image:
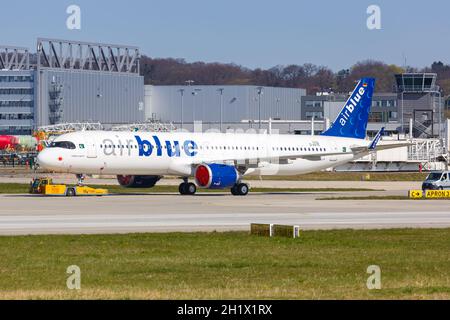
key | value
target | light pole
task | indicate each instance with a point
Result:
(194, 93)
(403, 128)
(182, 105)
(278, 107)
(189, 83)
(221, 107)
(260, 92)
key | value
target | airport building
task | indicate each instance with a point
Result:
(326, 106)
(410, 112)
(69, 81)
(414, 111)
(17, 95)
(415, 108)
(232, 105)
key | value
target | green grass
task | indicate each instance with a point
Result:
(17, 188)
(415, 263)
(13, 188)
(370, 198)
(349, 176)
(315, 176)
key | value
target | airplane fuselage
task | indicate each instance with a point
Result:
(177, 153)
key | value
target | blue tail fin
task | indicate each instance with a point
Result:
(352, 120)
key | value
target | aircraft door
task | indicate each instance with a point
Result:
(91, 149)
(334, 149)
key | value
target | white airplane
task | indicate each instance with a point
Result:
(215, 160)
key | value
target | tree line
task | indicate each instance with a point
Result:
(313, 78)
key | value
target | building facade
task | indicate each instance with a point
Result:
(237, 102)
(16, 102)
(69, 81)
(415, 108)
(72, 96)
(384, 107)
(81, 81)
(17, 94)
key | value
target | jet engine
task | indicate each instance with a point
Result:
(216, 176)
(138, 181)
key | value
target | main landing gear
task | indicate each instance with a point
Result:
(240, 189)
(187, 188)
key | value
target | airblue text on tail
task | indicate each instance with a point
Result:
(352, 120)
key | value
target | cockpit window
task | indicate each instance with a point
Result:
(63, 144)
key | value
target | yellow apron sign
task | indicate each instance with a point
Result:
(415, 194)
(438, 194)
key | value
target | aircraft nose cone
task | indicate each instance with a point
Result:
(43, 159)
(40, 160)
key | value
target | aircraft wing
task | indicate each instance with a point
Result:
(253, 161)
(381, 147)
(374, 146)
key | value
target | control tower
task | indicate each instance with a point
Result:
(421, 105)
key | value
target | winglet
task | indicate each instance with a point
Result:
(375, 140)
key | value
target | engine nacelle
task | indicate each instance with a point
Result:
(138, 181)
(216, 176)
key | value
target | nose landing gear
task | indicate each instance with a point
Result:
(80, 178)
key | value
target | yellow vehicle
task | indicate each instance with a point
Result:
(45, 186)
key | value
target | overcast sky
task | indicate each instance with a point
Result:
(256, 33)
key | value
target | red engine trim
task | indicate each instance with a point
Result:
(203, 176)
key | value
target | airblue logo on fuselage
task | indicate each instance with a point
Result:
(172, 147)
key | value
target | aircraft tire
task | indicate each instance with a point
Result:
(190, 188)
(242, 189)
(182, 188)
(187, 188)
